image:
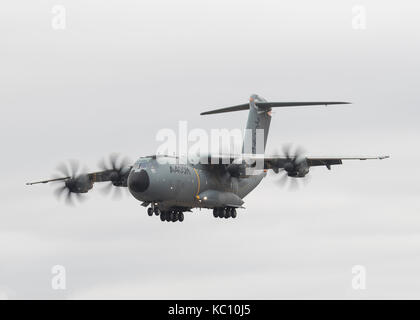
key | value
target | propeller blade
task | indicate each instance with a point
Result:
(66, 189)
(286, 150)
(283, 179)
(62, 168)
(294, 157)
(69, 199)
(80, 197)
(113, 158)
(107, 188)
(74, 167)
(117, 193)
(58, 192)
(119, 166)
(294, 184)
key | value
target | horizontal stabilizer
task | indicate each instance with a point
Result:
(269, 105)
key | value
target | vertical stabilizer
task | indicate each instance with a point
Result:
(257, 127)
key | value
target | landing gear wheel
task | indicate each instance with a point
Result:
(227, 213)
(157, 211)
(181, 217)
(215, 212)
(233, 214)
(162, 216)
(150, 211)
(220, 213)
(168, 216)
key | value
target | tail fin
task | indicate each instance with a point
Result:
(257, 126)
(259, 119)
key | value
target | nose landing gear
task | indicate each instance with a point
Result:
(156, 210)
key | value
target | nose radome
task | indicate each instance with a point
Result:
(138, 181)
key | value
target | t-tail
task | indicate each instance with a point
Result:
(259, 118)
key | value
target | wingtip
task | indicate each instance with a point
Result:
(337, 103)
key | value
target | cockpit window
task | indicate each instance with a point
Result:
(142, 162)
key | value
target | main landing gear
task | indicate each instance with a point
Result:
(171, 215)
(227, 212)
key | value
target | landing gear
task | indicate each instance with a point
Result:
(162, 216)
(227, 212)
(150, 211)
(168, 216)
(172, 216)
(156, 210)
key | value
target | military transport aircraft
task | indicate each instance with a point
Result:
(169, 188)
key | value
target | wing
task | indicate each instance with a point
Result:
(72, 182)
(295, 166)
(277, 163)
(117, 177)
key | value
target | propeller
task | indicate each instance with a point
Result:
(118, 168)
(73, 182)
(295, 168)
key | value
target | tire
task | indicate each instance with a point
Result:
(168, 216)
(181, 217)
(215, 212)
(157, 211)
(150, 211)
(233, 213)
(227, 213)
(162, 216)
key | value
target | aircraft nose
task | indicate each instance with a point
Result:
(138, 181)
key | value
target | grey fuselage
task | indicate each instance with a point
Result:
(189, 185)
(173, 185)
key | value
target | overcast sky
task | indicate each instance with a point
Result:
(122, 70)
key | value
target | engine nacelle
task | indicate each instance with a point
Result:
(297, 170)
(237, 170)
(80, 184)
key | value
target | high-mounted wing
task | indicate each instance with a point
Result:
(296, 165)
(75, 182)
